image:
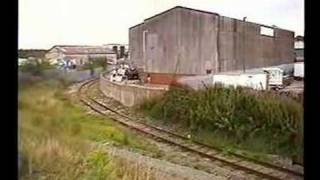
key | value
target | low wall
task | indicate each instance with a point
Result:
(128, 94)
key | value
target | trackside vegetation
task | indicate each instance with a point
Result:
(59, 140)
(259, 121)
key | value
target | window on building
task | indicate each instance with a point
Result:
(266, 31)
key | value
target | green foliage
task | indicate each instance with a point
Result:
(240, 114)
(95, 63)
(31, 68)
(37, 53)
(102, 62)
(100, 165)
(35, 67)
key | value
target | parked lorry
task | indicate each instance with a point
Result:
(270, 78)
(298, 71)
(274, 78)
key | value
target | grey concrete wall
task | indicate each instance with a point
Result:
(206, 41)
(135, 45)
(128, 95)
(287, 69)
(181, 34)
(161, 43)
(197, 42)
(242, 46)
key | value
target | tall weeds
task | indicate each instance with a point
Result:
(239, 113)
(56, 137)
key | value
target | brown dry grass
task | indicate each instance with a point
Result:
(57, 140)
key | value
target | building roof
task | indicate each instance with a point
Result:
(74, 49)
(207, 12)
(176, 7)
(136, 25)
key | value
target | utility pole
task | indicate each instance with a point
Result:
(243, 44)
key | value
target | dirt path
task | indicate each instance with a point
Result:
(160, 169)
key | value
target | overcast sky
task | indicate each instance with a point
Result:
(44, 23)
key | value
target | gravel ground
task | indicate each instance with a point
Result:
(159, 168)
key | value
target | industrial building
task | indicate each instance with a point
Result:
(183, 41)
(79, 54)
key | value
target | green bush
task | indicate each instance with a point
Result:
(95, 63)
(102, 62)
(35, 67)
(239, 113)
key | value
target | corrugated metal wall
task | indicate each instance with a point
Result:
(135, 45)
(192, 36)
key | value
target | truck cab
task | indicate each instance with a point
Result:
(275, 77)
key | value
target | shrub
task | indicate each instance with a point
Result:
(240, 113)
(95, 63)
(36, 66)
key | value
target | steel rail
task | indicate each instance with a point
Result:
(147, 132)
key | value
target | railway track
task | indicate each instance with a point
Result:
(261, 170)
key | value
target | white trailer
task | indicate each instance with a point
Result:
(255, 81)
(259, 79)
(270, 78)
(298, 70)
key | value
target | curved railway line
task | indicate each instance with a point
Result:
(261, 170)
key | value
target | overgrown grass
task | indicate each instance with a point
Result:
(259, 121)
(56, 137)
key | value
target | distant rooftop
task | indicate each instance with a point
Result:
(78, 49)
